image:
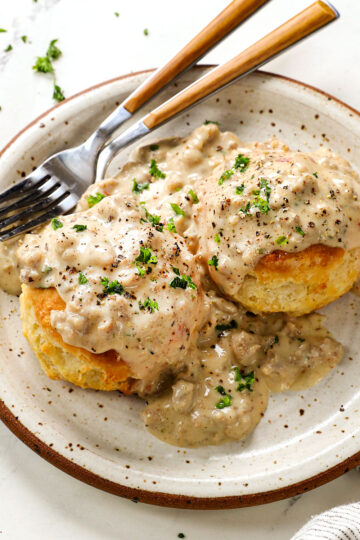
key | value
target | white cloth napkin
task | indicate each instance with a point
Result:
(340, 523)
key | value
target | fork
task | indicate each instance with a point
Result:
(55, 187)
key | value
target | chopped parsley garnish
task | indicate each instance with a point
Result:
(117, 14)
(82, 279)
(246, 209)
(2, 30)
(225, 176)
(245, 380)
(193, 195)
(181, 535)
(8, 48)
(43, 65)
(178, 211)
(145, 256)
(79, 228)
(241, 162)
(223, 327)
(182, 282)
(259, 202)
(239, 190)
(24, 38)
(141, 271)
(211, 122)
(149, 304)
(139, 188)
(155, 171)
(171, 225)
(226, 400)
(214, 261)
(281, 241)
(111, 287)
(154, 147)
(315, 174)
(94, 199)
(154, 220)
(217, 238)
(299, 230)
(58, 94)
(301, 339)
(53, 51)
(146, 32)
(56, 223)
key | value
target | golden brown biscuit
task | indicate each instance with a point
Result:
(299, 283)
(59, 360)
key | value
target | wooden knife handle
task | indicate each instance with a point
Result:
(216, 30)
(306, 22)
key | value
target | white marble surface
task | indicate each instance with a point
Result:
(37, 500)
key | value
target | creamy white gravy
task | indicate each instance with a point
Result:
(134, 272)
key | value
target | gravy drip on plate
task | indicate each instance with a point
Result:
(180, 211)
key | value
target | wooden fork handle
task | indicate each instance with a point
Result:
(306, 22)
(216, 30)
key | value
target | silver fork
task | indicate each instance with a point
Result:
(55, 187)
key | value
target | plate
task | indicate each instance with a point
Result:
(305, 439)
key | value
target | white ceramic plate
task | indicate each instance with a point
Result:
(305, 438)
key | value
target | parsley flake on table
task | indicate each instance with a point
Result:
(80, 228)
(146, 32)
(245, 381)
(82, 279)
(58, 94)
(225, 401)
(53, 51)
(2, 30)
(149, 305)
(214, 261)
(43, 65)
(193, 195)
(178, 211)
(139, 188)
(111, 287)
(56, 223)
(281, 241)
(8, 48)
(95, 199)
(24, 39)
(117, 14)
(155, 171)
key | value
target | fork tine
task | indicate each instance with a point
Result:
(65, 205)
(43, 190)
(55, 197)
(28, 183)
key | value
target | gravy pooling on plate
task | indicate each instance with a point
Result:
(134, 263)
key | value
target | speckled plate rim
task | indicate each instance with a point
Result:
(147, 496)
